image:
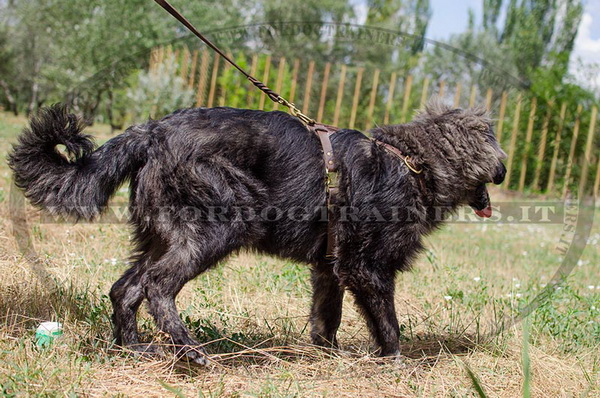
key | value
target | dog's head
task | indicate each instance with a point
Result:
(466, 138)
(489, 168)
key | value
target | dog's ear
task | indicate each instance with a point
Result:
(500, 174)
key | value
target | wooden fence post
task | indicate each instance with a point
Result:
(251, 91)
(356, 97)
(192, 78)
(406, 99)
(161, 55)
(279, 83)
(203, 76)
(223, 85)
(473, 95)
(321, 110)
(528, 137)
(424, 92)
(388, 106)
(294, 80)
(153, 61)
(213, 81)
(500, 124)
(557, 138)
(597, 183)
(542, 149)
(488, 100)
(372, 100)
(588, 152)
(185, 59)
(168, 60)
(572, 150)
(307, 88)
(457, 95)
(265, 80)
(442, 88)
(340, 94)
(513, 142)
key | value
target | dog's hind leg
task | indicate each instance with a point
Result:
(326, 311)
(163, 280)
(126, 296)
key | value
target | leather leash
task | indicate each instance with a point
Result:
(323, 131)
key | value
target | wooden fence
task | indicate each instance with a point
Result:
(550, 149)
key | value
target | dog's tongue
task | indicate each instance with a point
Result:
(485, 213)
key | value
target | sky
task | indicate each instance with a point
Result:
(451, 16)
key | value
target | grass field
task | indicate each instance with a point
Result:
(252, 313)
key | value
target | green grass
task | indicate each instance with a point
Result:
(252, 313)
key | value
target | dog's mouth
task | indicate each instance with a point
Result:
(482, 204)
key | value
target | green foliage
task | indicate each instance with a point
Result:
(157, 93)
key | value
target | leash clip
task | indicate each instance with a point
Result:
(408, 163)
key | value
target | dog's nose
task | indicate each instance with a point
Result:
(500, 174)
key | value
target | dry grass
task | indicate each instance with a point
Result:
(252, 314)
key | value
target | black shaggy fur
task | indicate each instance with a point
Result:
(207, 161)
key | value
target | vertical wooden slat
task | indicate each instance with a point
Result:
(168, 56)
(542, 149)
(234, 102)
(253, 67)
(356, 97)
(488, 100)
(323, 91)
(176, 59)
(587, 154)
(265, 80)
(457, 95)
(372, 100)
(213, 81)
(202, 78)
(500, 124)
(279, 83)
(442, 88)
(223, 85)
(513, 142)
(193, 69)
(294, 80)
(472, 96)
(597, 182)
(153, 60)
(406, 99)
(388, 106)
(160, 58)
(307, 88)
(424, 92)
(557, 138)
(528, 137)
(340, 94)
(185, 59)
(572, 150)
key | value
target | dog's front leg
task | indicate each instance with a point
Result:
(374, 294)
(326, 311)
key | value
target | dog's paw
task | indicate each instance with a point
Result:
(193, 353)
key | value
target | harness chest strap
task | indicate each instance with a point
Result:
(324, 131)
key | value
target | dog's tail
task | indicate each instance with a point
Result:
(80, 183)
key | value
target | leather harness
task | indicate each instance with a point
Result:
(323, 131)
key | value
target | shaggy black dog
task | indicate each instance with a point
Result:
(207, 182)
